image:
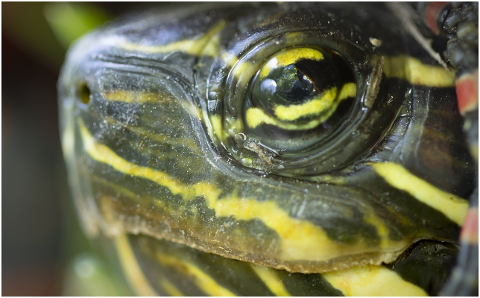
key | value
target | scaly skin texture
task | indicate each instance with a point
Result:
(266, 149)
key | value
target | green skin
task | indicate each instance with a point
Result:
(415, 126)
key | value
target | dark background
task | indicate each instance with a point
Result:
(40, 235)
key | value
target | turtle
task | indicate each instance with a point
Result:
(278, 148)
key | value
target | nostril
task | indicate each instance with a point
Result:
(84, 93)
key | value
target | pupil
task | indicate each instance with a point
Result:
(301, 88)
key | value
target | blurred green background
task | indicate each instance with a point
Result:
(43, 250)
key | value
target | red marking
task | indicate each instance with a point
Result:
(470, 227)
(432, 9)
(467, 92)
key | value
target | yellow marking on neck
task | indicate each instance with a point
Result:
(195, 46)
(200, 278)
(271, 280)
(131, 269)
(325, 104)
(170, 288)
(288, 57)
(418, 73)
(397, 176)
(371, 281)
(300, 239)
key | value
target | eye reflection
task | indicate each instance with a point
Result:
(294, 85)
(268, 87)
(301, 88)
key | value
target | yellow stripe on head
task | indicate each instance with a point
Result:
(418, 73)
(195, 46)
(397, 176)
(130, 96)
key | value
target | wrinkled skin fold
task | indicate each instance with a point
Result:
(164, 139)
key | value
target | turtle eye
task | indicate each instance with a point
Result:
(298, 97)
(292, 105)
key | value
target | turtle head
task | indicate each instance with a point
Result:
(295, 136)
